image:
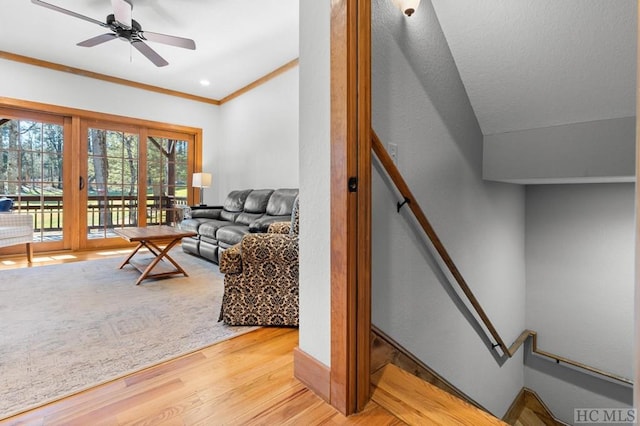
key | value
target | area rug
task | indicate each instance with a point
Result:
(69, 327)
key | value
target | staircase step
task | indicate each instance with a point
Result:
(417, 402)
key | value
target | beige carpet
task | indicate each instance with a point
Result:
(64, 328)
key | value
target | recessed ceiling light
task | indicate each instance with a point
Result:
(205, 82)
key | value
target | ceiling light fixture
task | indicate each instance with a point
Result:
(205, 82)
(408, 7)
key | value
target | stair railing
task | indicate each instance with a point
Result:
(414, 206)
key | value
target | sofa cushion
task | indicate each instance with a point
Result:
(262, 223)
(205, 239)
(6, 204)
(247, 218)
(281, 202)
(209, 228)
(257, 201)
(192, 224)
(231, 235)
(235, 200)
(229, 216)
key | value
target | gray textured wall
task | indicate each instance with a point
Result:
(580, 293)
(595, 151)
(420, 104)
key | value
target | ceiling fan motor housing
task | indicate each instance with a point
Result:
(129, 34)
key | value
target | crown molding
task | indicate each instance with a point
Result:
(121, 81)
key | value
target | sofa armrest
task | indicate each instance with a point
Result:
(16, 229)
(231, 260)
(206, 213)
(279, 228)
(13, 219)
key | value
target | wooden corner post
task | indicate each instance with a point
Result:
(350, 203)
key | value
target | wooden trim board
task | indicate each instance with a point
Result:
(312, 373)
(148, 87)
(343, 205)
(273, 74)
(78, 71)
(529, 401)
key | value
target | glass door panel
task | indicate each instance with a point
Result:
(111, 181)
(167, 178)
(31, 171)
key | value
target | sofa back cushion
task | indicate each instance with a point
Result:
(229, 216)
(245, 218)
(255, 206)
(234, 204)
(257, 201)
(281, 201)
(235, 200)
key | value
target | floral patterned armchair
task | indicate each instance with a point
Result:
(261, 277)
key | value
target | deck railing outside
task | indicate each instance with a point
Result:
(102, 212)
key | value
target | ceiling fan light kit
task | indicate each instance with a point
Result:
(124, 27)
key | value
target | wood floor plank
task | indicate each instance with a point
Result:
(418, 402)
(231, 406)
(373, 414)
(111, 409)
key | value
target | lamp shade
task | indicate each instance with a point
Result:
(407, 6)
(201, 180)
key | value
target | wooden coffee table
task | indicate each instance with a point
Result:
(150, 237)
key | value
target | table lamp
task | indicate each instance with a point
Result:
(201, 180)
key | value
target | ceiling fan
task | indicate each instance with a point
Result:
(122, 26)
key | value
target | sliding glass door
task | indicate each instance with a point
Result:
(131, 177)
(82, 176)
(32, 151)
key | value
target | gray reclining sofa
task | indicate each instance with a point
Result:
(244, 211)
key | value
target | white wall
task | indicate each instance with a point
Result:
(580, 294)
(420, 104)
(249, 142)
(258, 138)
(595, 151)
(315, 168)
(26, 82)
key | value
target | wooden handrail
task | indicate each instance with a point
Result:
(414, 206)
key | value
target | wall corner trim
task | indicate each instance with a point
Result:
(312, 373)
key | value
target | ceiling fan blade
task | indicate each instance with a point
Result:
(67, 12)
(185, 43)
(94, 41)
(122, 12)
(149, 53)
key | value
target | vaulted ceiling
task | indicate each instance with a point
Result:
(237, 41)
(530, 64)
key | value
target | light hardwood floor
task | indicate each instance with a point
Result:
(246, 380)
(55, 258)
